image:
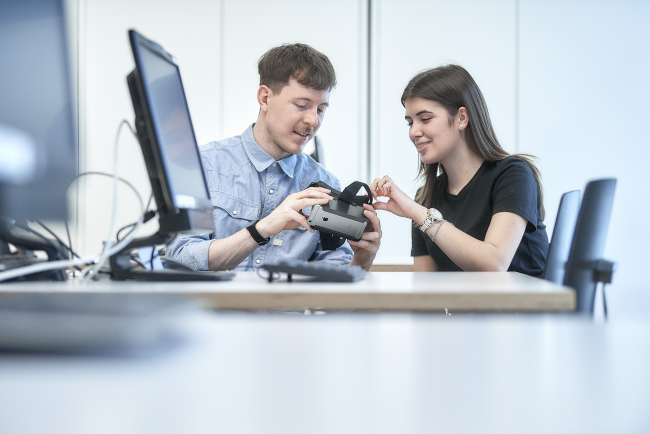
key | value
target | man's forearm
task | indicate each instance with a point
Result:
(227, 253)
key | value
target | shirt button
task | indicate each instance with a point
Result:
(234, 212)
(257, 261)
(271, 191)
(275, 164)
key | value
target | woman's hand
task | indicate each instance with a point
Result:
(398, 203)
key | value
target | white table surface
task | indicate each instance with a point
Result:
(345, 373)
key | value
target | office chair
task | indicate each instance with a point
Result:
(317, 155)
(565, 224)
(585, 267)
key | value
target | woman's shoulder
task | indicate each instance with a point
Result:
(514, 165)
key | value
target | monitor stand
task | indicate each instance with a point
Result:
(123, 269)
(27, 243)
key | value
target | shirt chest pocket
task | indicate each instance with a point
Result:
(231, 214)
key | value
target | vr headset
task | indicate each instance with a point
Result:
(342, 218)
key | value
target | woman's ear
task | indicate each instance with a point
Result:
(263, 94)
(463, 119)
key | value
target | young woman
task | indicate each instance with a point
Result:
(480, 209)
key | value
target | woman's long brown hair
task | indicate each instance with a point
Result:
(453, 87)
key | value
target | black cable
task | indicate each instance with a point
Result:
(146, 208)
(604, 302)
(67, 229)
(270, 277)
(71, 252)
(147, 216)
(130, 225)
(57, 238)
(137, 261)
(153, 255)
(43, 237)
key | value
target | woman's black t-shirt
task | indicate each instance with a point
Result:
(508, 185)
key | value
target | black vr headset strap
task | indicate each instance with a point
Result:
(349, 194)
(330, 241)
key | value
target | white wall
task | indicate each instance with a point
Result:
(338, 30)
(404, 44)
(190, 31)
(217, 44)
(564, 80)
(584, 98)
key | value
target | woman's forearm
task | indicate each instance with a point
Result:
(466, 251)
(493, 254)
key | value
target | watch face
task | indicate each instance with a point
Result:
(435, 214)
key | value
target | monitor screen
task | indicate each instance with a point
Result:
(167, 139)
(38, 144)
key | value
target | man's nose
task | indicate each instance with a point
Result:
(311, 118)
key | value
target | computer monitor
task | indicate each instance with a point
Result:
(38, 143)
(166, 136)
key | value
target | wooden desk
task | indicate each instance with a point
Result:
(432, 292)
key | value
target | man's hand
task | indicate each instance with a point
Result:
(289, 214)
(366, 248)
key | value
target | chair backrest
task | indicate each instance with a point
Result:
(588, 242)
(558, 250)
(317, 155)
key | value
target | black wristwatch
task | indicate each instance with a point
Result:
(256, 235)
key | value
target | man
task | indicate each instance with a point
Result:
(258, 181)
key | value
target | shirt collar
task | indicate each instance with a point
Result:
(260, 159)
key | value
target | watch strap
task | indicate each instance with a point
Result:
(256, 235)
(426, 224)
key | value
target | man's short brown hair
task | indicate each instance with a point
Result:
(301, 62)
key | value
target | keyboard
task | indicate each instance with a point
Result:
(173, 275)
(320, 270)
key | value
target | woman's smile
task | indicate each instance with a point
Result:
(422, 146)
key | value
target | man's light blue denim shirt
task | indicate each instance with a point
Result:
(246, 184)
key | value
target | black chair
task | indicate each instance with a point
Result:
(565, 224)
(586, 267)
(317, 155)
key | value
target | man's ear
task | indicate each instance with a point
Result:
(263, 95)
